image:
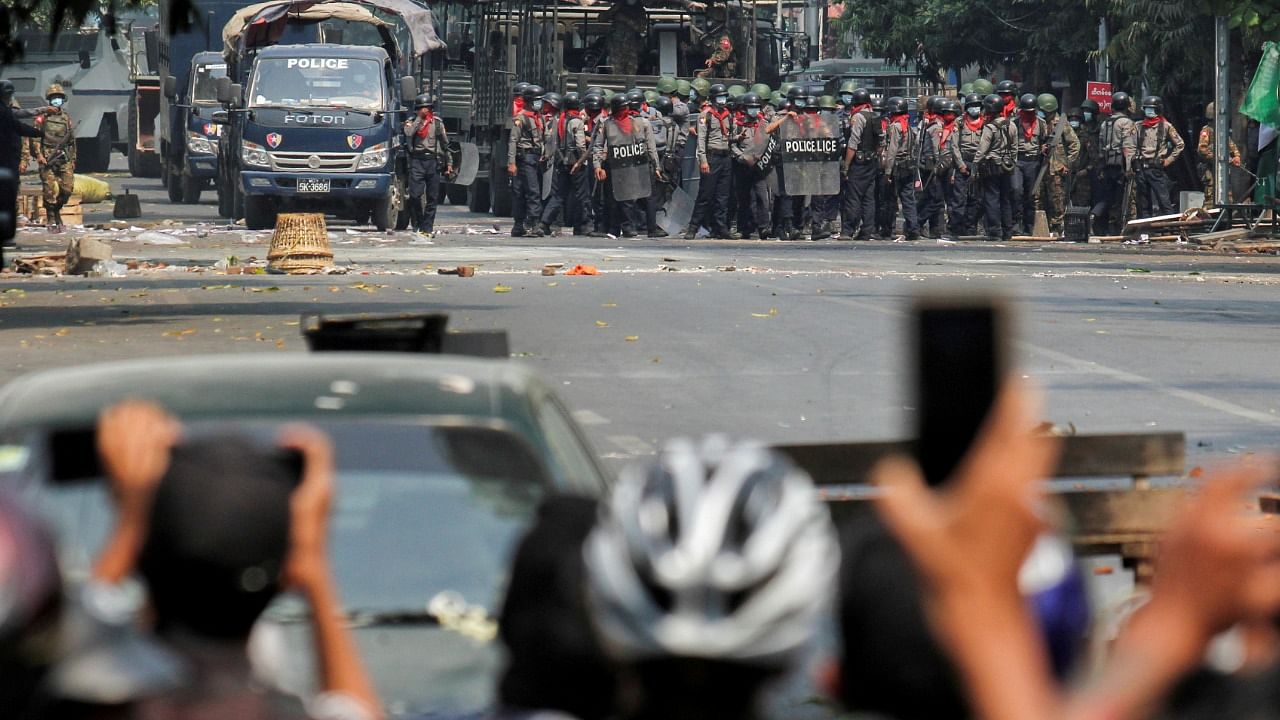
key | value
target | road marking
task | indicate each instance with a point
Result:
(587, 417)
(631, 444)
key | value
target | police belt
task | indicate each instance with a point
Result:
(1030, 156)
(717, 153)
(530, 157)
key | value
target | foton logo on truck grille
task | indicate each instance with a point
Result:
(301, 119)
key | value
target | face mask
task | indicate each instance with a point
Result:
(799, 104)
(1149, 112)
(1074, 124)
(973, 111)
(537, 105)
(846, 99)
(1040, 114)
(1088, 117)
(57, 102)
(753, 112)
(721, 100)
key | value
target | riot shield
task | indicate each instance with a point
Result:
(809, 156)
(628, 162)
(677, 212)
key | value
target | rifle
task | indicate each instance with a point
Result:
(1048, 154)
(1125, 201)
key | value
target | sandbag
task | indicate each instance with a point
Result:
(91, 189)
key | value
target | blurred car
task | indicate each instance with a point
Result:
(441, 463)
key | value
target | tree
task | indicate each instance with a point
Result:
(59, 15)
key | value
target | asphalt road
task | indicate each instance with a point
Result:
(778, 341)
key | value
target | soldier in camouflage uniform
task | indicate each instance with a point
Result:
(629, 32)
(718, 46)
(57, 157)
(1204, 156)
(1064, 154)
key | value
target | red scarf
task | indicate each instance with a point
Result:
(623, 118)
(1028, 129)
(517, 106)
(975, 125)
(1007, 110)
(929, 117)
(739, 117)
(537, 119)
(720, 115)
(564, 116)
(1152, 122)
(862, 107)
(426, 124)
(902, 122)
(947, 126)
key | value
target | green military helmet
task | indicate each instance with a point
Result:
(762, 90)
(966, 89)
(666, 84)
(702, 85)
(736, 90)
(608, 94)
(1046, 102)
(847, 87)
(784, 88)
(651, 96)
(777, 99)
(682, 88)
(983, 87)
(827, 102)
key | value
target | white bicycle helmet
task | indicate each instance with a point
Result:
(715, 550)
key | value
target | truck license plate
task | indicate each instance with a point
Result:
(313, 186)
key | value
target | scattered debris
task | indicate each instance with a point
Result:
(583, 270)
(460, 271)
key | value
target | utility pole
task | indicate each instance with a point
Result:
(1221, 110)
(1104, 67)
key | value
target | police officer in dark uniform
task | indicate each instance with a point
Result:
(12, 133)
(428, 150)
(571, 163)
(524, 160)
(861, 168)
(714, 125)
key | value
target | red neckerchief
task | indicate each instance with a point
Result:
(537, 119)
(590, 122)
(517, 106)
(902, 122)
(929, 117)
(1007, 110)
(1152, 122)
(720, 115)
(624, 120)
(426, 124)
(975, 126)
(739, 117)
(564, 116)
(861, 108)
(947, 127)
(1028, 130)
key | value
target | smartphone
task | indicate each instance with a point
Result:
(960, 362)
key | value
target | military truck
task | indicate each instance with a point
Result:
(93, 67)
(561, 46)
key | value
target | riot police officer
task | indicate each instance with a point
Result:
(428, 150)
(524, 159)
(756, 182)
(1159, 145)
(899, 167)
(861, 168)
(57, 157)
(715, 165)
(570, 161)
(1117, 140)
(1030, 138)
(966, 190)
(995, 164)
(626, 155)
(669, 141)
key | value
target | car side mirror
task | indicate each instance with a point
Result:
(219, 117)
(170, 87)
(85, 59)
(223, 90)
(408, 89)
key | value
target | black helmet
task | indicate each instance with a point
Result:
(877, 105)
(947, 105)
(1027, 102)
(796, 92)
(896, 105)
(6, 90)
(934, 104)
(518, 89)
(663, 105)
(1075, 113)
(593, 101)
(553, 100)
(861, 96)
(718, 91)
(1006, 87)
(635, 98)
(422, 101)
(972, 99)
(532, 92)
(618, 102)
(992, 104)
(572, 101)
(750, 100)
(594, 90)
(1154, 101)
(1089, 106)
(1120, 102)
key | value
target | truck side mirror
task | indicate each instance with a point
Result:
(408, 89)
(170, 86)
(85, 59)
(237, 94)
(220, 117)
(223, 89)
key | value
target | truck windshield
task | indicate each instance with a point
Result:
(204, 83)
(67, 43)
(318, 82)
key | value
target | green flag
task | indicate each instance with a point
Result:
(1261, 103)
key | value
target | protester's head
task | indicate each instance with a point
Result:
(707, 573)
(217, 538)
(554, 660)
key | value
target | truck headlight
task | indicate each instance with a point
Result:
(198, 144)
(254, 154)
(374, 157)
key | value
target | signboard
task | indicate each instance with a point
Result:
(1099, 92)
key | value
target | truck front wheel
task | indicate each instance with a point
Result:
(259, 213)
(387, 210)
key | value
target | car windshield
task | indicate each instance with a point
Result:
(204, 83)
(425, 517)
(318, 82)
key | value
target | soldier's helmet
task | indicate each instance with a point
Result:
(618, 102)
(827, 102)
(518, 89)
(896, 106)
(55, 90)
(972, 100)
(593, 101)
(1089, 106)
(682, 88)
(966, 89)
(785, 89)
(1006, 87)
(651, 96)
(1120, 102)
(423, 101)
(702, 85)
(933, 104)
(796, 92)
(1027, 102)
(1047, 102)
(992, 104)
(735, 90)
(762, 90)
(777, 100)
(572, 101)
(848, 86)
(718, 93)
(666, 85)
(859, 96)
(663, 105)
(751, 99)
(948, 107)
(532, 92)
(983, 87)
(1154, 101)
(878, 105)
(552, 100)
(594, 90)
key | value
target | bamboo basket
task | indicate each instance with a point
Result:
(300, 244)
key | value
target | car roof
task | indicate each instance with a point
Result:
(277, 384)
(364, 52)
